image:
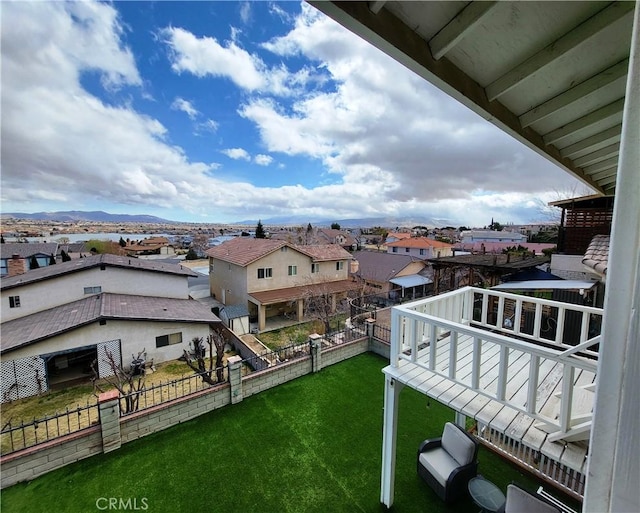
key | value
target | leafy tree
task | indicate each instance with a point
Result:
(463, 229)
(122, 242)
(65, 256)
(52, 260)
(33, 262)
(104, 246)
(1, 239)
(260, 231)
(191, 255)
(335, 226)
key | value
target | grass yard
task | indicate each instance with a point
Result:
(311, 445)
(298, 333)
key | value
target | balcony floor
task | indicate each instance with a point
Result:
(505, 419)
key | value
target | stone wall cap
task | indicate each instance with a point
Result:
(108, 396)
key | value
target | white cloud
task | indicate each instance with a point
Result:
(237, 154)
(208, 126)
(245, 12)
(263, 160)
(186, 107)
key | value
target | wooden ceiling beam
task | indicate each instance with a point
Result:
(454, 31)
(589, 87)
(596, 156)
(592, 143)
(558, 48)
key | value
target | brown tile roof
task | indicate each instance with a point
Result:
(81, 264)
(597, 254)
(506, 262)
(399, 235)
(419, 242)
(42, 325)
(244, 250)
(269, 297)
(325, 252)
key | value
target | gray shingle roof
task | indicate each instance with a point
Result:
(381, 267)
(42, 325)
(27, 249)
(81, 264)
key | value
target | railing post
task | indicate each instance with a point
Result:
(109, 408)
(315, 342)
(370, 323)
(235, 378)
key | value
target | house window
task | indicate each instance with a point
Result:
(14, 301)
(421, 251)
(3, 267)
(339, 265)
(406, 250)
(315, 268)
(284, 249)
(92, 290)
(168, 340)
(265, 272)
(394, 249)
(293, 270)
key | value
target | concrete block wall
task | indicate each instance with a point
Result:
(35, 461)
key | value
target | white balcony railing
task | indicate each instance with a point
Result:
(500, 345)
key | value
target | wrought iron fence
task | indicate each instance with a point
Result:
(160, 393)
(277, 356)
(28, 434)
(382, 333)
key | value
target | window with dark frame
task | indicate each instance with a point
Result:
(92, 290)
(292, 270)
(265, 272)
(315, 268)
(169, 340)
(14, 301)
(339, 265)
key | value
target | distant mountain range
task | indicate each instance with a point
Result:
(105, 217)
(96, 216)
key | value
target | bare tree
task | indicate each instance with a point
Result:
(196, 359)
(128, 381)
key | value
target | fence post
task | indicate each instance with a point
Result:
(315, 341)
(109, 407)
(235, 378)
(371, 322)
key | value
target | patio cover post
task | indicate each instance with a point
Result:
(613, 474)
(392, 390)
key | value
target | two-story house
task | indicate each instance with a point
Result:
(420, 247)
(57, 320)
(339, 237)
(276, 278)
(492, 236)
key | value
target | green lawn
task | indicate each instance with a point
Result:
(310, 445)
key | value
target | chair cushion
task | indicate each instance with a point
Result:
(519, 500)
(439, 464)
(458, 444)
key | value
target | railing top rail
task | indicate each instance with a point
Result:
(503, 340)
(516, 297)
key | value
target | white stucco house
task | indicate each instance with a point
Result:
(57, 320)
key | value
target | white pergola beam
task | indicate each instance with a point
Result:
(375, 7)
(558, 48)
(592, 143)
(610, 114)
(454, 31)
(596, 156)
(575, 94)
(601, 175)
(609, 163)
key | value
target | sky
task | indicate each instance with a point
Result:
(227, 111)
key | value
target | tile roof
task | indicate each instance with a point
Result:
(419, 242)
(597, 254)
(325, 252)
(244, 250)
(497, 261)
(27, 249)
(48, 323)
(373, 265)
(81, 264)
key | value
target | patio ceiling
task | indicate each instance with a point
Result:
(551, 74)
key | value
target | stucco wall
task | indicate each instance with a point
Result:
(134, 336)
(43, 295)
(232, 278)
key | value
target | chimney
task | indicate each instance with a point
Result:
(16, 265)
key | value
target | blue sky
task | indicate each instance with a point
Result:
(226, 111)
